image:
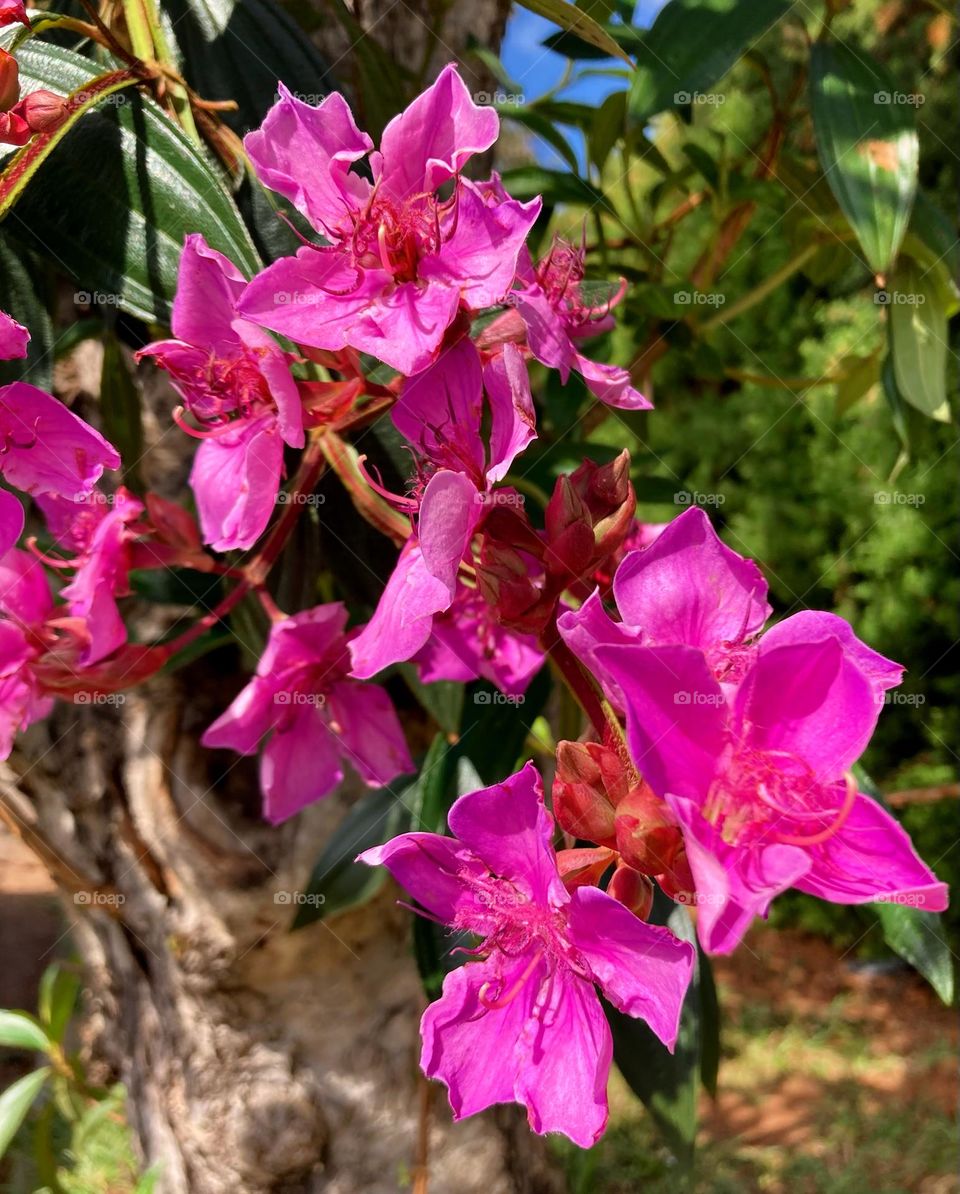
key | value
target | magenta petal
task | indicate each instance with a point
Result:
(478, 255)
(300, 764)
(440, 410)
(643, 969)
(245, 721)
(449, 511)
(236, 478)
(611, 384)
(513, 421)
(589, 627)
(304, 153)
(402, 620)
(208, 286)
(370, 732)
(473, 1049)
(568, 1053)
(404, 324)
(434, 137)
(432, 869)
(50, 449)
(689, 587)
(24, 588)
(809, 700)
(14, 338)
(676, 715)
(871, 858)
(547, 334)
(810, 626)
(508, 828)
(275, 370)
(11, 521)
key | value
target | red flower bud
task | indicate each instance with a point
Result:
(647, 835)
(580, 800)
(633, 890)
(9, 81)
(14, 130)
(583, 868)
(42, 110)
(677, 881)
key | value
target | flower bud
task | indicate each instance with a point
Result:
(583, 868)
(9, 81)
(633, 890)
(42, 110)
(14, 130)
(677, 880)
(581, 801)
(569, 528)
(647, 835)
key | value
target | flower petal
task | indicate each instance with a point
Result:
(370, 732)
(236, 478)
(300, 764)
(431, 868)
(513, 418)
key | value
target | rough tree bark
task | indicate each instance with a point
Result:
(256, 1061)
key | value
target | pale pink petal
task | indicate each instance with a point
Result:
(449, 511)
(612, 384)
(513, 418)
(24, 588)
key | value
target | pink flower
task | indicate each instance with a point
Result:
(11, 11)
(441, 411)
(687, 587)
(235, 381)
(25, 605)
(758, 776)
(399, 261)
(524, 1024)
(47, 449)
(315, 715)
(14, 338)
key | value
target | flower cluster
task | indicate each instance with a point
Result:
(718, 765)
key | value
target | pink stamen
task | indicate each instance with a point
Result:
(815, 839)
(503, 1000)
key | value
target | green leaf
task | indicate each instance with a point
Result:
(20, 1031)
(574, 47)
(608, 128)
(16, 1101)
(556, 186)
(917, 937)
(918, 338)
(23, 294)
(495, 728)
(709, 1025)
(667, 1083)
(542, 127)
(59, 989)
(860, 375)
(337, 882)
(120, 407)
(868, 148)
(239, 49)
(443, 700)
(691, 45)
(121, 232)
(575, 20)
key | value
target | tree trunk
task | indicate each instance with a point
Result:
(255, 1060)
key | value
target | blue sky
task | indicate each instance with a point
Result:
(537, 70)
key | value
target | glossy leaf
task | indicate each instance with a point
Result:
(556, 186)
(918, 338)
(23, 293)
(575, 20)
(690, 46)
(867, 146)
(917, 936)
(121, 233)
(20, 1031)
(16, 1101)
(120, 408)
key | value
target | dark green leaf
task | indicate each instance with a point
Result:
(667, 1083)
(16, 1101)
(120, 407)
(576, 20)
(122, 231)
(691, 45)
(917, 936)
(709, 1025)
(442, 700)
(22, 294)
(337, 881)
(556, 186)
(608, 128)
(868, 146)
(542, 127)
(495, 728)
(574, 47)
